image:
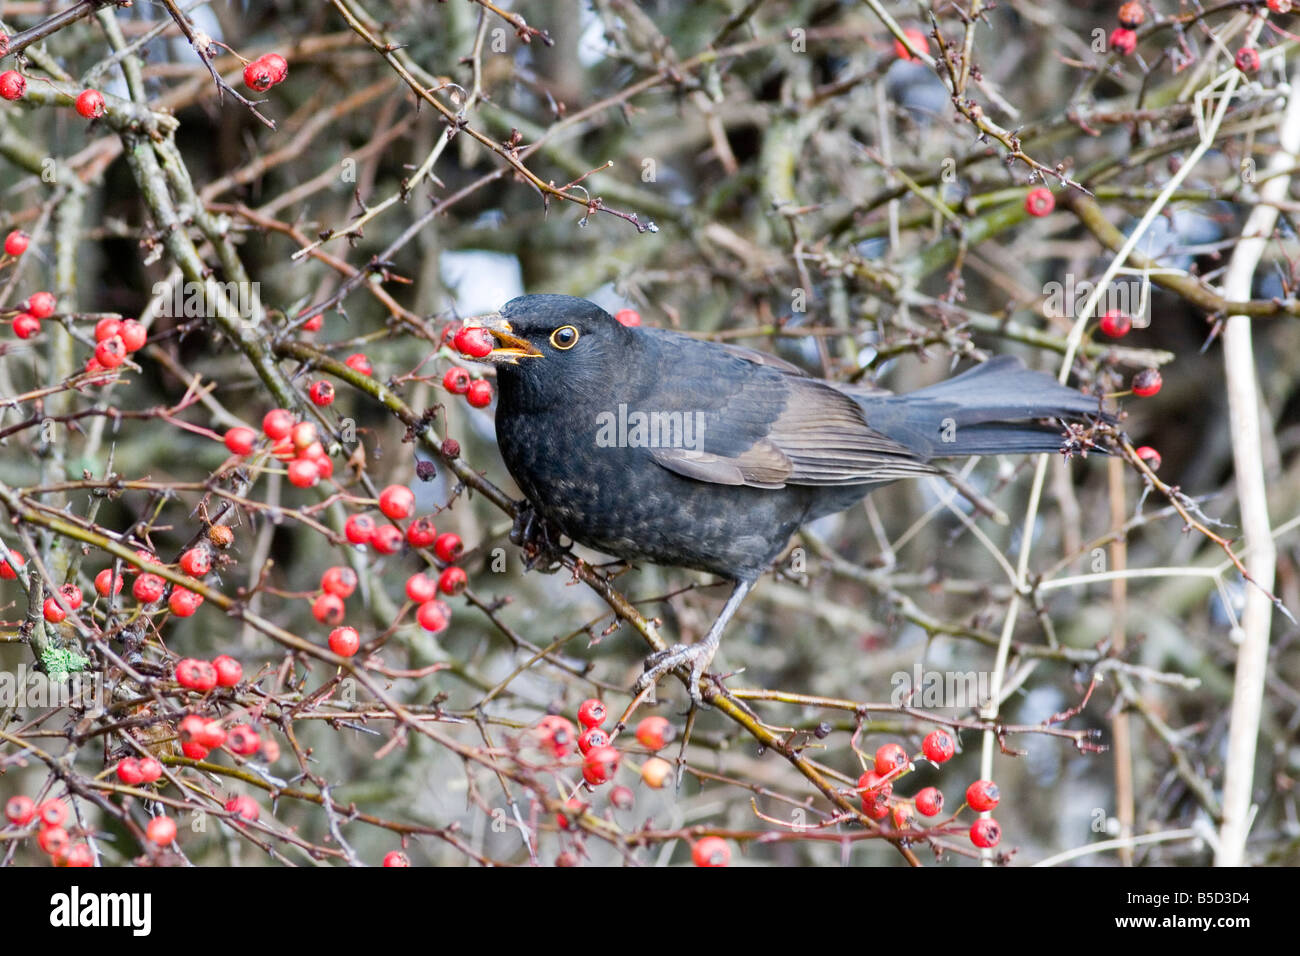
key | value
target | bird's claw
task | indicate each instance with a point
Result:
(540, 542)
(663, 662)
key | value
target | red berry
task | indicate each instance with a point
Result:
(183, 602)
(243, 740)
(340, 580)
(128, 771)
(321, 393)
(452, 581)
(600, 765)
(229, 671)
(303, 472)
(107, 328)
(194, 750)
(394, 858)
(397, 502)
(196, 675)
(150, 769)
(1247, 60)
(480, 393)
(111, 352)
(1115, 324)
(314, 323)
(90, 104)
(53, 839)
(53, 613)
(985, 833)
(918, 39)
(929, 802)
(278, 66)
(421, 533)
(629, 317)
(473, 341)
(982, 795)
(12, 85)
(433, 616)
(711, 851)
(387, 539)
(277, 424)
(556, 734)
(592, 713)
(359, 363)
(1147, 382)
(457, 380)
(939, 746)
(196, 562)
(1150, 456)
(258, 76)
(421, 588)
(52, 813)
(1280, 6)
(134, 335)
(303, 436)
(328, 609)
(240, 440)
(359, 529)
(1131, 15)
(654, 733)
(26, 325)
(621, 798)
(875, 795)
(20, 810)
(448, 547)
(16, 243)
(1123, 41)
(890, 757)
(1039, 201)
(244, 806)
(105, 580)
(904, 816)
(567, 818)
(161, 830)
(41, 304)
(11, 564)
(148, 588)
(592, 737)
(344, 641)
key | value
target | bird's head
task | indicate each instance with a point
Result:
(547, 347)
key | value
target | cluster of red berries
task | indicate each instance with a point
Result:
(475, 342)
(115, 339)
(1116, 325)
(51, 836)
(293, 441)
(265, 72)
(200, 675)
(1123, 39)
(39, 305)
(201, 735)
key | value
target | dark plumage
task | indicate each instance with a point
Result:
(748, 447)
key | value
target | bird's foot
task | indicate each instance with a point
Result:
(543, 549)
(663, 662)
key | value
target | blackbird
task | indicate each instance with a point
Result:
(650, 445)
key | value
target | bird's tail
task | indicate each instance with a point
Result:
(996, 408)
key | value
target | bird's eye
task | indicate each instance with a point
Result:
(564, 338)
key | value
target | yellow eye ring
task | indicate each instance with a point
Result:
(564, 338)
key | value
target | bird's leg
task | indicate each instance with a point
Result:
(698, 655)
(541, 543)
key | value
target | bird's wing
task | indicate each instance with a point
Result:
(764, 358)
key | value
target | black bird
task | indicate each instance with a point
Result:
(649, 445)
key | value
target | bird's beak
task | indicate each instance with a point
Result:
(509, 348)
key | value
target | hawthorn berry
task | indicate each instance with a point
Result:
(41, 304)
(480, 393)
(918, 40)
(104, 581)
(388, 539)
(194, 750)
(395, 858)
(890, 757)
(1039, 201)
(196, 562)
(621, 798)
(26, 325)
(473, 341)
(303, 473)
(421, 588)
(134, 335)
(359, 529)
(12, 85)
(128, 771)
(303, 436)
(150, 769)
(985, 833)
(397, 502)
(72, 596)
(457, 380)
(161, 830)
(448, 547)
(929, 802)
(53, 613)
(600, 764)
(1123, 41)
(183, 602)
(78, 856)
(903, 816)
(573, 809)
(111, 352)
(711, 851)
(243, 740)
(655, 772)
(938, 746)
(278, 66)
(245, 807)
(229, 671)
(592, 737)
(314, 323)
(1147, 382)
(277, 423)
(148, 588)
(1131, 15)
(433, 616)
(16, 243)
(629, 317)
(556, 734)
(11, 564)
(258, 76)
(452, 581)
(359, 363)
(340, 580)
(52, 839)
(1150, 456)
(1115, 324)
(654, 733)
(875, 794)
(592, 713)
(421, 533)
(90, 104)
(1247, 60)
(52, 813)
(1280, 6)
(240, 441)
(20, 810)
(328, 609)
(344, 641)
(982, 795)
(196, 674)
(321, 393)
